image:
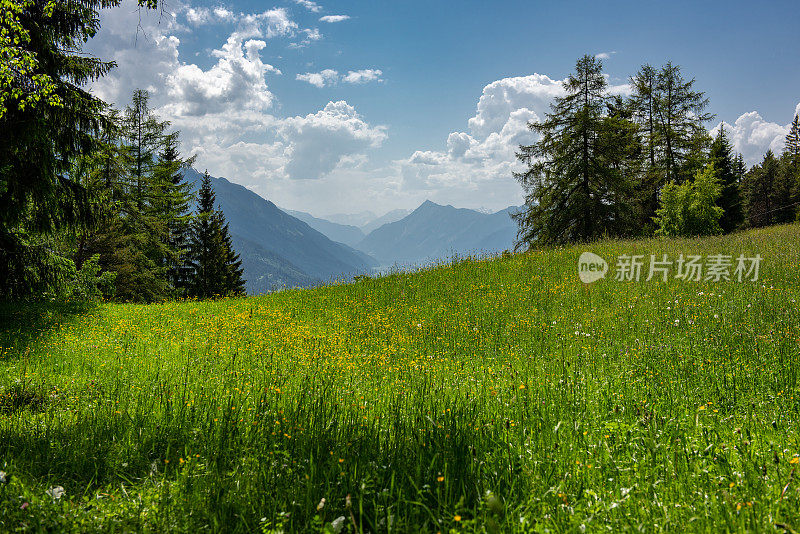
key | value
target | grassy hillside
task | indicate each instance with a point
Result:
(498, 395)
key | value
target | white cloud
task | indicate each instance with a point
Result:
(226, 111)
(312, 34)
(605, 55)
(237, 81)
(316, 144)
(203, 15)
(198, 16)
(309, 5)
(363, 76)
(320, 79)
(502, 97)
(752, 136)
(476, 166)
(332, 77)
(334, 18)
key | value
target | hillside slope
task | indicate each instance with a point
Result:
(501, 395)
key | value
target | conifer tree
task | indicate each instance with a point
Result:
(173, 196)
(791, 157)
(217, 269)
(47, 118)
(759, 192)
(681, 116)
(644, 101)
(721, 155)
(572, 181)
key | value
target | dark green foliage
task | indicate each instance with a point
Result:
(759, 188)
(791, 162)
(217, 269)
(578, 170)
(42, 137)
(670, 116)
(679, 131)
(721, 155)
(173, 196)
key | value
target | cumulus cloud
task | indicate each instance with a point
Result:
(226, 111)
(203, 15)
(363, 76)
(502, 97)
(329, 77)
(334, 18)
(476, 165)
(309, 5)
(320, 79)
(237, 81)
(752, 136)
(317, 143)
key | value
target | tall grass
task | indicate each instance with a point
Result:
(500, 395)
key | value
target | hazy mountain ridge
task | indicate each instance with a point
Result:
(435, 232)
(276, 248)
(392, 216)
(343, 233)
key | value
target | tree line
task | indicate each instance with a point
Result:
(607, 165)
(93, 200)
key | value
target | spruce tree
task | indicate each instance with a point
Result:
(573, 180)
(721, 156)
(759, 192)
(47, 119)
(216, 266)
(173, 196)
(791, 157)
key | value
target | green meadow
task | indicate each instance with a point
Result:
(481, 395)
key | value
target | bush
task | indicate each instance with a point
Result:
(89, 283)
(690, 209)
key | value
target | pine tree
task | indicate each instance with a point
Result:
(791, 157)
(679, 130)
(721, 155)
(572, 183)
(216, 267)
(47, 118)
(759, 192)
(173, 196)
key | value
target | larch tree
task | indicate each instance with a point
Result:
(680, 110)
(571, 182)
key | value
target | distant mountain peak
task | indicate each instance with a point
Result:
(436, 232)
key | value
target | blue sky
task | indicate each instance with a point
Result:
(345, 106)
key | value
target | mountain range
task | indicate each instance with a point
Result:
(278, 250)
(287, 248)
(435, 232)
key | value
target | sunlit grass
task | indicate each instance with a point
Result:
(496, 395)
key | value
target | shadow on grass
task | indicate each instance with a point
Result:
(22, 324)
(410, 473)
